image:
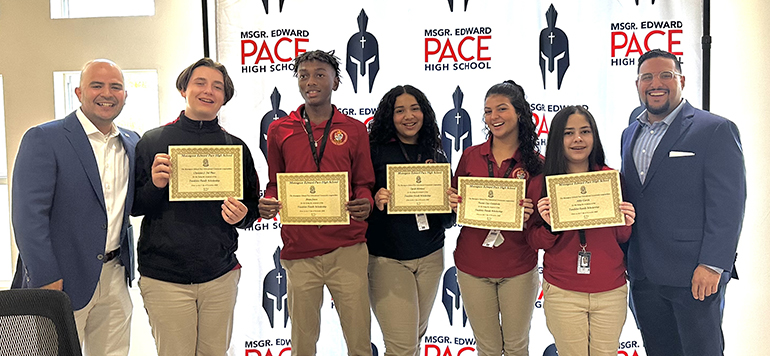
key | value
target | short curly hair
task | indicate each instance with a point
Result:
(321, 56)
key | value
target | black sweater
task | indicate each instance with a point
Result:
(187, 241)
(396, 236)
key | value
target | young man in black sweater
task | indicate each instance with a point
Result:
(187, 248)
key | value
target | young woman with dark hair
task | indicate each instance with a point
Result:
(499, 285)
(585, 311)
(405, 261)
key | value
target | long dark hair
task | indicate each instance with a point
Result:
(555, 160)
(382, 130)
(530, 152)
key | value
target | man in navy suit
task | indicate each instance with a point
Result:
(685, 175)
(73, 188)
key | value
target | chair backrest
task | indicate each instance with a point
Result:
(37, 322)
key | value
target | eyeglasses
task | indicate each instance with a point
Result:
(665, 76)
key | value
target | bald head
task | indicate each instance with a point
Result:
(101, 61)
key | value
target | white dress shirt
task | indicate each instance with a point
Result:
(113, 174)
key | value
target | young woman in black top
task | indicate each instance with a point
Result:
(405, 262)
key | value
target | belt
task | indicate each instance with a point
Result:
(109, 256)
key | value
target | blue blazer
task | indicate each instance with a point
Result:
(58, 211)
(689, 211)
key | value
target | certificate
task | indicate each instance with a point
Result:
(313, 198)
(585, 200)
(491, 203)
(418, 188)
(205, 172)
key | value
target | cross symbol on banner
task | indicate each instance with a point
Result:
(278, 277)
(363, 40)
(458, 117)
(551, 36)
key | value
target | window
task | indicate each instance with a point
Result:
(142, 111)
(71, 9)
(5, 214)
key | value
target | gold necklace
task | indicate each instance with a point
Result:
(315, 141)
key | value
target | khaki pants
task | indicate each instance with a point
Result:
(191, 319)
(343, 271)
(585, 323)
(500, 311)
(104, 324)
(402, 294)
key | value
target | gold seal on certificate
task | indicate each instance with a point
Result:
(585, 200)
(419, 188)
(205, 172)
(313, 198)
(491, 203)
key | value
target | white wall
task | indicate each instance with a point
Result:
(32, 47)
(739, 91)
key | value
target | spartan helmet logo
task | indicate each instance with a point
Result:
(456, 127)
(554, 47)
(274, 114)
(551, 350)
(450, 295)
(363, 53)
(452, 5)
(280, 5)
(274, 295)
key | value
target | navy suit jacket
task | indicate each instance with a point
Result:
(689, 211)
(58, 211)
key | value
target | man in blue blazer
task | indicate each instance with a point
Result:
(685, 175)
(73, 188)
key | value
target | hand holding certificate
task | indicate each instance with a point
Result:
(491, 203)
(205, 172)
(418, 188)
(313, 198)
(585, 200)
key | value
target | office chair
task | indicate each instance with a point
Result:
(37, 322)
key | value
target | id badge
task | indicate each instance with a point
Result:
(494, 239)
(584, 262)
(422, 222)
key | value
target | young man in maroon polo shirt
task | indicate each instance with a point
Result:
(318, 138)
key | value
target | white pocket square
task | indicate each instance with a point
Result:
(680, 154)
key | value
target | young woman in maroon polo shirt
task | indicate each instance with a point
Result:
(499, 284)
(585, 305)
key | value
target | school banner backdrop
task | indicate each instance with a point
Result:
(563, 52)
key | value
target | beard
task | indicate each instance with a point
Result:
(659, 110)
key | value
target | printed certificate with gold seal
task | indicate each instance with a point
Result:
(205, 172)
(585, 200)
(313, 198)
(491, 203)
(418, 188)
